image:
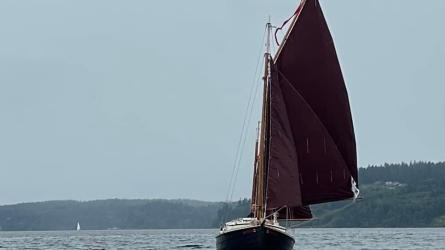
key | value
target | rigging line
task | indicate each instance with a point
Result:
(249, 103)
(250, 113)
(282, 26)
(296, 13)
(326, 215)
(243, 147)
(249, 118)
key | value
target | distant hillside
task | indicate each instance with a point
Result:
(108, 214)
(394, 195)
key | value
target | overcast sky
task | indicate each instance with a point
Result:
(145, 99)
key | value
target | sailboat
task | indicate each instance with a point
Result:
(305, 152)
(78, 226)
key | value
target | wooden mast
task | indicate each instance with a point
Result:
(261, 181)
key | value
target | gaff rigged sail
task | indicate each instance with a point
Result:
(311, 141)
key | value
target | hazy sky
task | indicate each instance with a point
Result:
(145, 99)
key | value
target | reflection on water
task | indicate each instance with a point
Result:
(311, 239)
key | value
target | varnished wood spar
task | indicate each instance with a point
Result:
(261, 181)
(255, 170)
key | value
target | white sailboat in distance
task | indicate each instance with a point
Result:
(78, 226)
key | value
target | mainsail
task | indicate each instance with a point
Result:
(310, 142)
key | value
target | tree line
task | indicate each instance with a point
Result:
(394, 195)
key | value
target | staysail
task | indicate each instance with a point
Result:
(311, 143)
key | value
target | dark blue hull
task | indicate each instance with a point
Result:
(255, 238)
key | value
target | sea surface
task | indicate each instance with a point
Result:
(332, 238)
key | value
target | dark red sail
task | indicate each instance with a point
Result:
(312, 144)
(283, 176)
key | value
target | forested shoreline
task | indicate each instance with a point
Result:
(394, 195)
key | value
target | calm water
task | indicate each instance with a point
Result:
(388, 238)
